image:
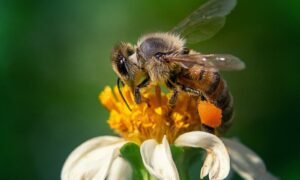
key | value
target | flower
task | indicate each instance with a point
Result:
(152, 119)
(216, 163)
(152, 126)
(96, 158)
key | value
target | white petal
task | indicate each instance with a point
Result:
(92, 159)
(220, 166)
(245, 162)
(206, 165)
(120, 170)
(157, 159)
(213, 174)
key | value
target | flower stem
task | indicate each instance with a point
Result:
(184, 158)
(131, 153)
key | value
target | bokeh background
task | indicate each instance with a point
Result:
(54, 61)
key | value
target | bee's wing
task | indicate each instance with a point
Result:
(206, 21)
(212, 62)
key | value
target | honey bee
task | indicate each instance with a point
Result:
(164, 58)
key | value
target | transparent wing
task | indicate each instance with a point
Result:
(206, 21)
(213, 62)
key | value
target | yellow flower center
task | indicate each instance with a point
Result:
(153, 118)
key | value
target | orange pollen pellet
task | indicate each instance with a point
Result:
(210, 115)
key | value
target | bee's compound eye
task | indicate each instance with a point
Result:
(121, 64)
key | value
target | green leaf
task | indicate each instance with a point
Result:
(131, 153)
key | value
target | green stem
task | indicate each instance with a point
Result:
(184, 158)
(131, 153)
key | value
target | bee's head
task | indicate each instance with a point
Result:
(123, 59)
(158, 45)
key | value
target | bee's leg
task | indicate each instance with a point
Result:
(137, 93)
(172, 100)
(198, 93)
(191, 90)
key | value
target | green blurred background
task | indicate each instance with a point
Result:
(54, 60)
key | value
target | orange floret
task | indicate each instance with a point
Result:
(210, 115)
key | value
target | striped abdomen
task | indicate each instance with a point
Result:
(214, 89)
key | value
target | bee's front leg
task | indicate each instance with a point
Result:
(137, 93)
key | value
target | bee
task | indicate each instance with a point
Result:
(164, 58)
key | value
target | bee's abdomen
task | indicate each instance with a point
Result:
(215, 89)
(222, 98)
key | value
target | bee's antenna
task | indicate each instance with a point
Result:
(119, 82)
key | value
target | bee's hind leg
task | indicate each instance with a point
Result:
(194, 92)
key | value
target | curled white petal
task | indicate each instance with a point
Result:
(214, 173)
(219, 167)
(245, 162)
(157, 159)
(92, 159)
(206, 165)
(120, 169)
